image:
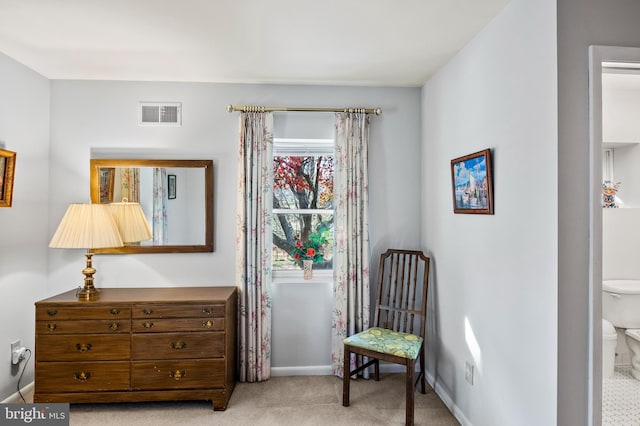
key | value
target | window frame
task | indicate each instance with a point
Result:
(302, 147)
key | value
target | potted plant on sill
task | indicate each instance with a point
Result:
(309, 252)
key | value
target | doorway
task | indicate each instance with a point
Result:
(602, 59)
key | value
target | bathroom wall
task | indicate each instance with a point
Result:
(621, 132)
(620, 243)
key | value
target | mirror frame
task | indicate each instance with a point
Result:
(96, 164)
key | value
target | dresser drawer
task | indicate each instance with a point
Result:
(84, 326)
(152, 325)
(82, 347)
(178, 311)
(81, 376)
(47, 313)
(177, 345)
(183, 374)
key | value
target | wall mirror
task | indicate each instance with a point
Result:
(176, 197)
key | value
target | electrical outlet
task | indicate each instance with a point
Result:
(17, 352)
(468, 374)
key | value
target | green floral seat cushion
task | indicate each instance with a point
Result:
(387, 341)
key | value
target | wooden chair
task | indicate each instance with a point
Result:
(397, 335)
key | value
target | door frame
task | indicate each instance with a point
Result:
(598, 55)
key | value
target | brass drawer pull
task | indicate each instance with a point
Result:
(147, 324)
(83, 347)
(82, 376)
(178, 374)
(114, 326)
(52, 312)
(147, 311)
(114, 311)
(207, 323)
(178, 345)
(207, 311)
(51, 326)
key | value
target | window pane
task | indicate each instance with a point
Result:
(288, 228)
(303, 182)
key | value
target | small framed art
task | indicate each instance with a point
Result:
(472, 181)
(107, 179)
(171, 185)
(7, 169)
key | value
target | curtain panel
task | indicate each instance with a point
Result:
(160, 200)
(130, 184)
(352, 254)
(253, 245)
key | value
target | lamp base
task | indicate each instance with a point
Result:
(88, 292)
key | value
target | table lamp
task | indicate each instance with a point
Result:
(131, 222)
(87, 226)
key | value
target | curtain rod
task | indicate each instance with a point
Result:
(252, 108)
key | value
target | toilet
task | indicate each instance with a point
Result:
(621, 308)
(633, 340)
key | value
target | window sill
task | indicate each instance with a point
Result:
(295, 277)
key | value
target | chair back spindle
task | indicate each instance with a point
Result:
(402, 291)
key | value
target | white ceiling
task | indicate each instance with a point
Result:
(354, 42)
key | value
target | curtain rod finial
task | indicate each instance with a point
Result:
(230, 108)
(378, 111)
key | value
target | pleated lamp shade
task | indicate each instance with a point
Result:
(131, 222)
(87, 226)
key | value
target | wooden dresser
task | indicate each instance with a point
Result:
(137, 344)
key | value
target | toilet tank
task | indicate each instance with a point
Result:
(621, 302)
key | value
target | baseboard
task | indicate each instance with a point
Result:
(311, 370)
(15, 398)
(446, 399)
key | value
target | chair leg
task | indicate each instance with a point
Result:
(346, 377)
(376, 370)
(423, 389)
(410, 393)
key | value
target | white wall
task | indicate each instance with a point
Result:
(621, 132)
(495, 277)
(581, 23)
(24, 128)
(620, 243)
(102, 116)
(620, 109)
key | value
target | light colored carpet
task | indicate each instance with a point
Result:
(295, 400)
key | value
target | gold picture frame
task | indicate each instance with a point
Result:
(7, 170)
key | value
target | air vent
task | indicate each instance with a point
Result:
(160, 114)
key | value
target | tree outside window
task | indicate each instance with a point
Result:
(303, 209)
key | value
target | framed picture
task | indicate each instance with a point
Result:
(171, 185)
(107, 178)
(7, 169)
(472, 180)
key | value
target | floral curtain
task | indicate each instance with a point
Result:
(352, 255)
(130, 184)
(160, 198)
(253, 244)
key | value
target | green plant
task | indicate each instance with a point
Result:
(311, 249)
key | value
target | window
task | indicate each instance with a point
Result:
(302, 201)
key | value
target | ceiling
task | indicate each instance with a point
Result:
(337, 42)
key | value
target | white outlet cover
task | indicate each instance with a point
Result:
(468, 376)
